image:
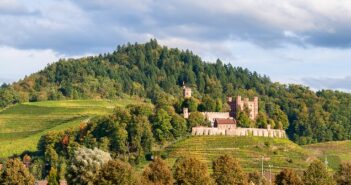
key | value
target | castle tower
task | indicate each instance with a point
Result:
(186, 92)
(239, 105)
(186, 113)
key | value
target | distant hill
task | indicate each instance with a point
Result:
(148, 70)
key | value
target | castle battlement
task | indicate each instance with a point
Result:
(259, 132)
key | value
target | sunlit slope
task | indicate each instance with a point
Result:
(333, 152)
(22, 125)
(280, 153)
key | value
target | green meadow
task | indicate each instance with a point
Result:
(22, 125)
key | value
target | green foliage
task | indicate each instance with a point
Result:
(116, 172)
(317, 174)
(244, 120)
(53, 178)
(37, 169)
(179, 127)
(157, 173)
(156, 72)
(288, 177)
(191, 104)
(85, 165)
(256, 178)
(196, 119)
(15, 173)
(227, 170)
(162, 126)
(262, 120)
(343, 175)
(191, 171)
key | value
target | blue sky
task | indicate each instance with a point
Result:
(297, 41)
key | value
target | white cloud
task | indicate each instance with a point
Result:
(15, 63)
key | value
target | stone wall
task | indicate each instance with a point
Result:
(239, 132)
(211, 116)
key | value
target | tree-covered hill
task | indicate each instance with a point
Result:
(157, 72)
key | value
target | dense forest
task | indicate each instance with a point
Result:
(157, 73)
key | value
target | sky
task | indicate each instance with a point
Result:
(292, 41)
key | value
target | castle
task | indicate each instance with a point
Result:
(224, 123)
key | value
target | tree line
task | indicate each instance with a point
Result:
(148, 70)
(94, 166)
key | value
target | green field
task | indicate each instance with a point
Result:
(335, 152)
(22, 125)
(280, 153)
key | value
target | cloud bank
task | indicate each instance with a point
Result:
(291, 41)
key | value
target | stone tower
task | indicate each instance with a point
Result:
(186, 113)
(240, 104)
(186, 92)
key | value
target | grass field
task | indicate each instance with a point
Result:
(335, 152)
(280, 153)
(22, 125)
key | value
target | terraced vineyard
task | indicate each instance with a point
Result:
(280, 153)
(22, 125)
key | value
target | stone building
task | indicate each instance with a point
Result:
(221, 123)
(224, 123)
(186, 92)
(241, 104)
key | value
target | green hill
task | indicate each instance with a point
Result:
(280, 153)
(22, 125)
(150, 70)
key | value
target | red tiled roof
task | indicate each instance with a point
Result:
(225, 121)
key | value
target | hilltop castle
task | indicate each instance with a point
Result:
(224, 123)
(235, 106)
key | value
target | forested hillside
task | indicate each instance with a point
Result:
(157, 72)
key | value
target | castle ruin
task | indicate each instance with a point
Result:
(224, 123)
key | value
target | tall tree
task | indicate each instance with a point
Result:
(343, 175)
(227, 170)
(116, 172)
(85, 165)
(15, 173)
(317, 174)
(157, 173)
(191, 171)
(288, 177)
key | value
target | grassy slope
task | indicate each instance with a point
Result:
(280, 153)
(335, 152)
(22, 125)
